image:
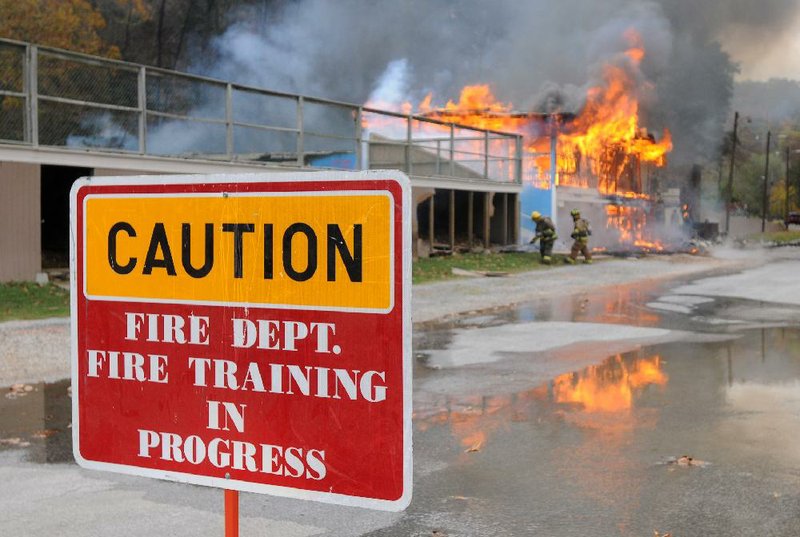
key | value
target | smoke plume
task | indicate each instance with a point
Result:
(536, 54)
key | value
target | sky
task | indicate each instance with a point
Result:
(760, 59)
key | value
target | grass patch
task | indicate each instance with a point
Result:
(779, 237)
(25, 300)
(434, 269)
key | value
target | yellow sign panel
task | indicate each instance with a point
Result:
(319, 250)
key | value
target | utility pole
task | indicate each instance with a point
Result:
(764, 199)
(553, 120)
(729, 197)
(786, 193)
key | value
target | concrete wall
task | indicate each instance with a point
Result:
(20, 221)
(389, 154)
(21, 208)
(418, 195)
(744, 226)
(112, 172)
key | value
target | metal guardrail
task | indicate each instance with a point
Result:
(52, 97)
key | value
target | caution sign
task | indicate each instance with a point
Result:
(246, 332)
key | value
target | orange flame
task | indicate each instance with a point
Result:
(630, 222)
(606, 133)
(603, 146)
(609, 388)
(604, 139)
(476, 107)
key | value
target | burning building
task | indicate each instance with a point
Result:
(599, 159)
(478, 166)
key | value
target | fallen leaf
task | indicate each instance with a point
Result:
(686, 460)
(18, 390)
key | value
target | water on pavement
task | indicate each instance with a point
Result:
(688, 425)
(693, 436)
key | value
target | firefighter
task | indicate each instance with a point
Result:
(545, 234)
(580, 234)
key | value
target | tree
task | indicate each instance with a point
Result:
(68, 24)
(131, 12)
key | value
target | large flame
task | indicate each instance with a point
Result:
(606, 133)
(476, 107)
(603, 146)
(604, 138)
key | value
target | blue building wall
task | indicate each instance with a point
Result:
(534, 199)
(341, 161)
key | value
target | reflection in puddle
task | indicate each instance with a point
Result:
(615, 305)
(762, 395)
(608, 387)
(596, 397)
(764, 420)
(625, 443)
(491, 344)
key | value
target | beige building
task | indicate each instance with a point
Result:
(65, 115)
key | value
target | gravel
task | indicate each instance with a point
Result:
(437, 301)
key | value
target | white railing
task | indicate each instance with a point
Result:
(51, 97)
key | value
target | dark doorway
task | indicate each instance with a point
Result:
(56, 183)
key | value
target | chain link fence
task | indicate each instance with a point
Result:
(13, 101)
(62, 99)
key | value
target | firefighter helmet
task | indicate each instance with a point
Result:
(536, 216)
(575, 213)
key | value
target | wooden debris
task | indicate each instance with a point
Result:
(478, 273)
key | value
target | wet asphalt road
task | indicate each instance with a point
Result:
(599, 451)
(695, 434)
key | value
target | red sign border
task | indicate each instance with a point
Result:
(270, 177)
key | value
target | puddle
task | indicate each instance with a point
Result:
(489, 344)
(695, 438)
(691, 436)
(37, 418)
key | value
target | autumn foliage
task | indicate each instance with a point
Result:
(68, 24)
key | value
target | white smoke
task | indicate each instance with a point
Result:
(535, 54)
(102, 130)
(392, 87)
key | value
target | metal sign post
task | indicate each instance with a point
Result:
(231, 513)
(248, 332)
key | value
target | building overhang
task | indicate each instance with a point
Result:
(455, 183)
(126, 161)
(195, 164)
